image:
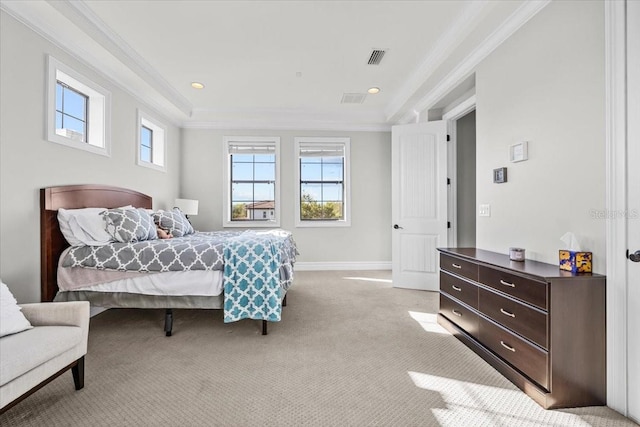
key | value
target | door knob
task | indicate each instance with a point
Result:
(396, 226)
(635, 257)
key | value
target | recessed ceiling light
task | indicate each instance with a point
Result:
(373, 90)
(197, 85)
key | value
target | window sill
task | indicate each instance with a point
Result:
(152, 166)
(322, 224)
(251, 224)
(68, 142)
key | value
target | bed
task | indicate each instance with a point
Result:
(63, 278)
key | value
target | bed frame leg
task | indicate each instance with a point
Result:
(168, 322)
(284, 300)
(264, 327)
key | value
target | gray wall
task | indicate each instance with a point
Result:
(466, 174)
(545, 85)
(28, 161)
(369, 237)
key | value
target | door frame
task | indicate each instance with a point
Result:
(616, 201)
(451, 117)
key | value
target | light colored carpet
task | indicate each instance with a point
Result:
(350, 351)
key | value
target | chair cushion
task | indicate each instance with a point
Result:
(27, 350)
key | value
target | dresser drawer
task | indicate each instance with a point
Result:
(520, 318)
(459, 314)
(460, 289)
(459, 266)
(531, 291)
(524, 356)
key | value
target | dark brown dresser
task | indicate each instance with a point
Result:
(541, 327)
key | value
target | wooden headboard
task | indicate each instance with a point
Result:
(52, 242)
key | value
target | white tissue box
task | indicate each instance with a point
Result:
(575, 261)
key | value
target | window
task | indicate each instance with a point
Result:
(71, 112)
(78, 110)
(146, 144)
(322, 192)
(151, 142)
(251, 184)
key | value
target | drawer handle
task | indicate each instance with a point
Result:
(507, 346)
(456, 288)
(506, 313)
(456, 265)
(507, 283)
(456, 312)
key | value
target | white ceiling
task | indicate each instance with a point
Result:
(281, 64)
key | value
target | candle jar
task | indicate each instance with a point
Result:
(516, 254)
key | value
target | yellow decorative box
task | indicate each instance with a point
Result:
(576, 262)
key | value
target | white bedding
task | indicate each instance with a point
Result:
(176, 283)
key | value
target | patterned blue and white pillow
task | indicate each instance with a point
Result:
(173, 221)
(130, 225)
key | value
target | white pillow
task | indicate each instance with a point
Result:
(84, 227)
(94, 228)
(11, 318)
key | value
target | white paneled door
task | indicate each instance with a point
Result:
(419, 203)
(633, 211)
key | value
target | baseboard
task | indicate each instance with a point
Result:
(342, 266)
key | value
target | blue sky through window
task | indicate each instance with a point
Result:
(322, 178)
(71, 108)
(253, 178)
(146, 144)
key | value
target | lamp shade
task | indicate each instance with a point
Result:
(187, 206)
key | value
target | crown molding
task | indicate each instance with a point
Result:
(25, 13)
(83, 17)
(467, 66)
(239, 124)
(466, 21)
(287, 119)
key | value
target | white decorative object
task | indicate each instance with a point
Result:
(518, 152)
(187, 206)
(516, 254)
(11, 318)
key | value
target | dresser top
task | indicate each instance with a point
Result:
(529, 267)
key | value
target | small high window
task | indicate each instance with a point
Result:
(151, 142)
(78, 110)
(146, 144)
(71, 112)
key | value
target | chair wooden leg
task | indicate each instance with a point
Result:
(78, 373)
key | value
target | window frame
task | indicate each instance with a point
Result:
(226, 182)
(158, 142)
(97, 110)
(329, 141)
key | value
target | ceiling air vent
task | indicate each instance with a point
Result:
(353, 98)
(376, 57)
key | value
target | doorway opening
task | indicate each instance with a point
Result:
(462, 207)
(465, 180)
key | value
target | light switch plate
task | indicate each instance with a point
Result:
(485, 210)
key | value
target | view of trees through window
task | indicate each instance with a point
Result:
(321, 188)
